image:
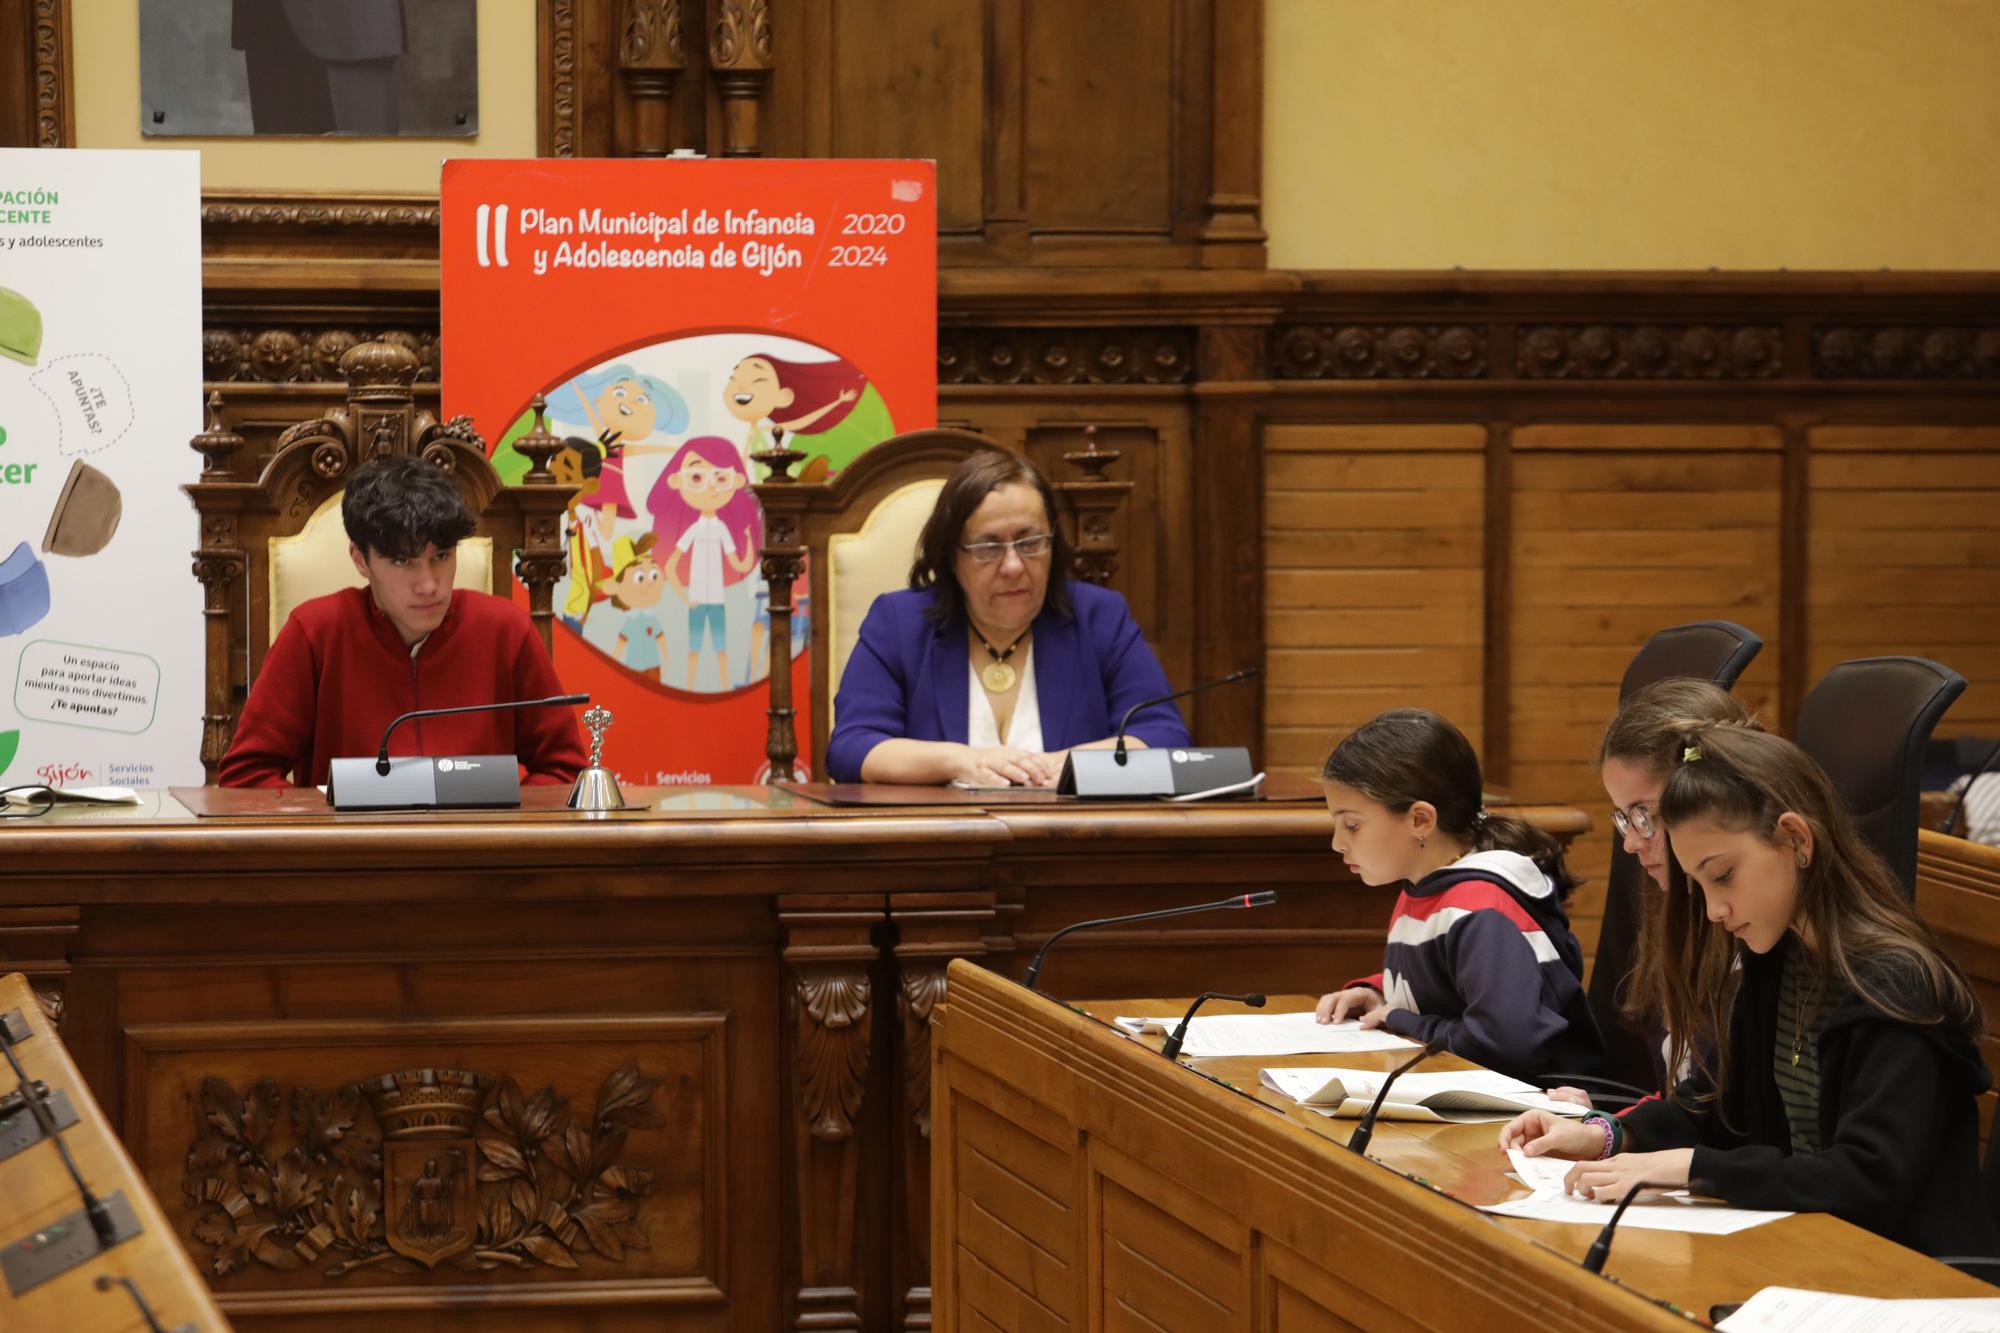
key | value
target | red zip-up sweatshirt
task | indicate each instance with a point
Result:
(339, 673)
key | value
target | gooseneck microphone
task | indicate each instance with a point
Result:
(34, 1093)
(1600, 1249)
(1172, 1046)
(1118, 750)
(105, 1282)
(553, 701)
(1364, 1128)
(1950, 824)
(1262, 899)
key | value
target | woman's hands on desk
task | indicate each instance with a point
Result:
(996, 765)
(1544, 1134)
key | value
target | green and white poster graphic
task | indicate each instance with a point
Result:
(100, 390)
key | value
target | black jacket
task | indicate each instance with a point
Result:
(1898, 1123)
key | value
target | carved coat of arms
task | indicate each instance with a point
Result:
(416, 1169)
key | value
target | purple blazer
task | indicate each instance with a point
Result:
(907, 678)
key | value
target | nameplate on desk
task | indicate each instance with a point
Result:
(1167, 771)
(420, 782)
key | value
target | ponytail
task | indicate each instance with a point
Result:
(1408, 755)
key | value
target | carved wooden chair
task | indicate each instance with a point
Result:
(856, 535)
(269, 544)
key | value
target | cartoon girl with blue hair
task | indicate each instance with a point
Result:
(624, 407)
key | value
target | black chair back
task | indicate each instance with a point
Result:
(1867, 723)
(1714, 650)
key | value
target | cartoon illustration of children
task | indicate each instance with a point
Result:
(829, 409)
(577, 465)
(624, 408)
(635, 589)
(702, 507)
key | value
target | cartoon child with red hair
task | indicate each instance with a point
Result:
(828, 408)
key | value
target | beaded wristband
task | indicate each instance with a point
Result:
(1603, 1122)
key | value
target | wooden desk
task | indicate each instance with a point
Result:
(36, 1191)
(1082, 1181)
(773, 962)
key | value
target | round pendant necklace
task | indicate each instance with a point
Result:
(997, 676)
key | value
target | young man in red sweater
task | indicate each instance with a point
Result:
(345, 665)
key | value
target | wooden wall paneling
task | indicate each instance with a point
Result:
(35, 77)
(1618, 531)
(1375, 580)
(1904, 554)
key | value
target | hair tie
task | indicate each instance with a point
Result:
(1691, 755)
(1478, 818)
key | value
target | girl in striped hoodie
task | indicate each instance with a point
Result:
(1481, 958)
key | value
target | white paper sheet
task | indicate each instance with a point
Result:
(1540, 1174)
(1361, 1086)
(1784, 1309)
(1269, 1034)
(1649, 1212)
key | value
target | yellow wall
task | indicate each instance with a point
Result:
(1633, 134)
(105, 51)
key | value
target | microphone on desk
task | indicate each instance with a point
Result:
(1364, 1128)
(1182, 771)
(1172, 1046)
(1118, 752)
(420, 782)
(35, 1094)
(553, 701)
(1950, 824)
(1600, 1249)
(105, 1282)
(1263, 898)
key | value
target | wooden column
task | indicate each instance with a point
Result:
(930, 929)
(219, 566)
(784, 558)
(830, 950)
(1227, 541)
(652, 54)
(739, 59)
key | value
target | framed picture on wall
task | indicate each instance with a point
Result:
(381, 68)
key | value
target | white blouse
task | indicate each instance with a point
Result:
(1024, 729)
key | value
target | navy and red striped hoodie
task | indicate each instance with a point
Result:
(1481, 958)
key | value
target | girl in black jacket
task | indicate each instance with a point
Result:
(1838, 1072)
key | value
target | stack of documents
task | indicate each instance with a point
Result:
(1462, 1096)
(1785, 1309)
(1268, 1034)
(1672, 1210)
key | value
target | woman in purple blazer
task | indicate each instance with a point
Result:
(993, 663)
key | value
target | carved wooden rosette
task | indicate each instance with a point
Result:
(652, 54)
(311, 461)
(829, 948)
(930, 929)
(739, 58)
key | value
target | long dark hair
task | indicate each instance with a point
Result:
(1648, 733)
(964, 491)
(1867, 936)
(1408, 755)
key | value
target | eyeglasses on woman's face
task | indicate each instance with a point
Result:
(1639, 819)
(1028, 548)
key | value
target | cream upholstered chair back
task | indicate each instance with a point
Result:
(867, 563)
(314, 561)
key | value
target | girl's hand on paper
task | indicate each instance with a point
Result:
(1608, 1180)
(1338, 1006)
(1545, 1134)
(1375, 1017)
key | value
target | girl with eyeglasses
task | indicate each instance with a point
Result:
(1833, 1045)
(993, 663)
(1641, 746)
